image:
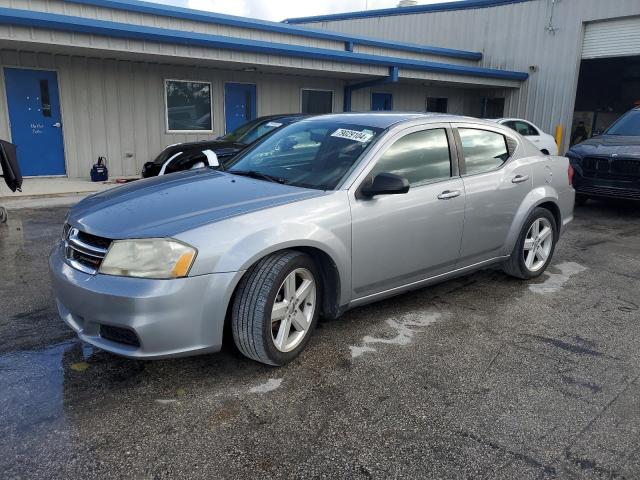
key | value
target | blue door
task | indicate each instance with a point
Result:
(36, 123)
(239, 104)
(381, 101)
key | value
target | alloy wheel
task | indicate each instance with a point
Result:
(537, 244)
(293, 309)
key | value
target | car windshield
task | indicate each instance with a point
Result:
(627, 125)
(315, 154)
(252, 131)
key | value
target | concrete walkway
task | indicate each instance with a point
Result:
(45, 192)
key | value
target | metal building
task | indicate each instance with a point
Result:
(121, 79)
(583, 56)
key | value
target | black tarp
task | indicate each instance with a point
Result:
(9, 168)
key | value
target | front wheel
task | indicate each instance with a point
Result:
(535, 246)
(276, 307)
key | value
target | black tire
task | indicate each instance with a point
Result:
(256, 293)
(4, 215)
(581, 199)
(516, 266)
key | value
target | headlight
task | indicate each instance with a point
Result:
(148, 258)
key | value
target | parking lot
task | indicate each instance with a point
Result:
(480, 377)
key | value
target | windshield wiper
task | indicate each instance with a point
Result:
(258, 175)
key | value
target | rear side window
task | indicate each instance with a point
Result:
(523, 128)
(483, 150)
(419, 157)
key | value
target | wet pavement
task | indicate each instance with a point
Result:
(480, 377)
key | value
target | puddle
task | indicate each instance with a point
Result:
(32, 385)
(405, 329)
(556, 281)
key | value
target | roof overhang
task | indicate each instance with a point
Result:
(88, 26)
(138, 6)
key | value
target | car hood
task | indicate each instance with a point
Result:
(171, 204)
(606, 145)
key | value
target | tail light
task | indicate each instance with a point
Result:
(570, 173)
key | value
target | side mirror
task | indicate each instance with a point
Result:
(386, 184)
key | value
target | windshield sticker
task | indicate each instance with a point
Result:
(362, 137)
(273, 125)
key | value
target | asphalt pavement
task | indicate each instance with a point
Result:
(480, 377)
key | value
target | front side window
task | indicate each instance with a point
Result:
(317, 154)
(188, 106)
(420, 157)
(317, 102)
(484, 150)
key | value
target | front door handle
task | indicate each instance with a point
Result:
(520, 178)
(57, 125)
(449, 194)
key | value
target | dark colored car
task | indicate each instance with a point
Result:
(609, 165)
(185, 156)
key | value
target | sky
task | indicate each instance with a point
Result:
(277, 10)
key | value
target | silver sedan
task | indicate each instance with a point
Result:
(325, 215)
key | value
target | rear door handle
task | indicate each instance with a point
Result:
(449, 194)
(520, 178)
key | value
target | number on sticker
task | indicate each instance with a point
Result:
(354, 135)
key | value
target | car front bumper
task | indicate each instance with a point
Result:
(166, 318)
(590, 186)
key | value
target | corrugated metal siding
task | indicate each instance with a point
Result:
(614, 38)
(150, 20)
(511, 37)
(115, 108)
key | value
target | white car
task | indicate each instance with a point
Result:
(545, 142)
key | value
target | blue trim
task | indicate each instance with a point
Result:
(438, 7)
(90, 26)
(232, 21)
(394, 75)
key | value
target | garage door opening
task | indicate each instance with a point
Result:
(607, 88)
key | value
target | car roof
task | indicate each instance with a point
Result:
(388, 119)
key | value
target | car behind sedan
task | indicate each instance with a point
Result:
(324, 215)
(215, 153)
(545, 142)
(608, 166)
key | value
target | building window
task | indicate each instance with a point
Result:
(188, 106)
(317, 101)
(437, 104)
(492, 108)
(484, 151)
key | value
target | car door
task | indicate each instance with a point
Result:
(495, 186)
(403, 238)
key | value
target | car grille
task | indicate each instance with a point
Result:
(608, 192)
(84, 251)
(611, 168)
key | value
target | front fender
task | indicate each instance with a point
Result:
(534, 198)
(235, 244)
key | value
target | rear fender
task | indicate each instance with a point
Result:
(536, 197)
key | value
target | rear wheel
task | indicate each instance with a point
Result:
(4, 215)
(276, 307)
(535, 246)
